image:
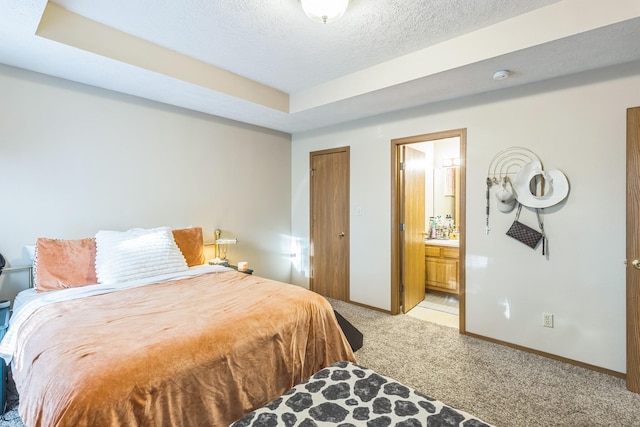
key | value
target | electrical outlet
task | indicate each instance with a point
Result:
(547, 320)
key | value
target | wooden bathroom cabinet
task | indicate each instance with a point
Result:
(441, 268)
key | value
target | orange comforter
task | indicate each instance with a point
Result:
(201, 351)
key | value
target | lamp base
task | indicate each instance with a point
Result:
(218, 261)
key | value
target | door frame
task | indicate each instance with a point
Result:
(632, 250)
(395, 216)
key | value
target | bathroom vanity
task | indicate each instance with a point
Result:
(442, 259)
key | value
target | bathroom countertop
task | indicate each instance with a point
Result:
(439, 242)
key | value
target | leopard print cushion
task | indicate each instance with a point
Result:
(346, 394)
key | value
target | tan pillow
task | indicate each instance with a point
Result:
(190, 242)
(61, 264)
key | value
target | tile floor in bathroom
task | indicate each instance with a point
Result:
(437, 316)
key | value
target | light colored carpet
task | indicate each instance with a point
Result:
(500, 385)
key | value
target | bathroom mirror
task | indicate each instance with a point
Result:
(444, 199)
(443, 179)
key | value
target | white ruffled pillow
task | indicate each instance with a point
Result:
(122, 256)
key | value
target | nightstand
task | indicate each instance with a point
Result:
(247, 271)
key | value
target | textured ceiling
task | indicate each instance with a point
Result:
(383, 55)
(274, 43)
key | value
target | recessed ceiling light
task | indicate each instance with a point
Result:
(501, 74)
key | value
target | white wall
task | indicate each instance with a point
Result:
(576, 124)
(76, 159)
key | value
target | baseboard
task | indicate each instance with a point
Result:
(549, 355)
(370, 307)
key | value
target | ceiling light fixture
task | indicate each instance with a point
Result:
(501, 74)
(324, 11)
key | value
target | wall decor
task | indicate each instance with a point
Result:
(503, 169)
(552, 184)
(521, 180)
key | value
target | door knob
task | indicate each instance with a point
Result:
(341, 235)
(636, 263)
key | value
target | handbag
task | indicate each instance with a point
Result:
(525, 234)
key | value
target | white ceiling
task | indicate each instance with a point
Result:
(382, 56)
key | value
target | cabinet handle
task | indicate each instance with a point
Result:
(341, 235)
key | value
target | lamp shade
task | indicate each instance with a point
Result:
(324, 10)
(226, 241)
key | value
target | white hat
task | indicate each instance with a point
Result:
(506, 197)
(556, 186)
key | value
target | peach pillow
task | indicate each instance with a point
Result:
(61, 264)
(190, 242)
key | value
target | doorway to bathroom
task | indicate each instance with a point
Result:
(441, 157)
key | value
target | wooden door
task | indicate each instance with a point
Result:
(329, 223)
(396, 266)
(633, 249)
(412, 207)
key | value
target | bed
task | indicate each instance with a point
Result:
(158, 342)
